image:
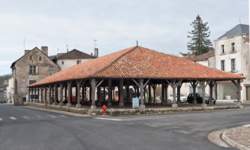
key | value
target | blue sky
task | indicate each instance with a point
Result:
(158, 24)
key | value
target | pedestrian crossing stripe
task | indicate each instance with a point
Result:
(13, 118)
(26, 117)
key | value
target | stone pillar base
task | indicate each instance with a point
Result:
(204, 105)
(174, 105)
(78, 105)
(61, 104)
(121, 105)
(142, 108)
(69, 105)
(93, 107)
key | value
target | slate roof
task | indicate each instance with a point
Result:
(74, 54)
(238, 30)
(138, 62)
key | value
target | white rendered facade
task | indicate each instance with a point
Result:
(66, 63)
(232, 55)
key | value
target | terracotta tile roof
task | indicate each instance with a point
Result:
(139, 62)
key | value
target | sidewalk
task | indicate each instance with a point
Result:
(131, 111)
(238, 137)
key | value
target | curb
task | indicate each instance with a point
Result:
(129, 111)
(232, 142)
(58, 111)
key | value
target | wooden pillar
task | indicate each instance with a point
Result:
(238, 91)
(215, 91)
(174, 85)
(93, 93)
(109, 92)
(149, 94)
(211, 85)
(154, 93)
(203, 88)
(166, 92)
(121, 93)
(61, 94)
(55, 94)
(162, 92)
(69, 94)
(194, 85)
(49, 95)
(78, 84)
(45, 96)
(65, 92)
(127, 92)
(83, 93)
(179, 84)
(141, 86)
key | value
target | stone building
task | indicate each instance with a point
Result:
(71, 58)
(33, 66)
(232, 54)
(3, 88)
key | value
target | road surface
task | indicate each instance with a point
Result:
(22, 128)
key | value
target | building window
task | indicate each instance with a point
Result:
(31, 58)
(233, 68)
(40, 58)
(223, 65)
(233, 47)
(33, 70)
(62, 62)
(78, 61)
(222, 49)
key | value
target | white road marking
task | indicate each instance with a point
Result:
(1, 119)
(26, 117)
(13, 118)
(52, 116)
(39, 117)
(63, 116)
(246, 126)
(110, 119)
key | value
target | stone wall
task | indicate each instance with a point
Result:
(21, 74)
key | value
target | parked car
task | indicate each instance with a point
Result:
(208, 100)
(190, 98)
(183, 98)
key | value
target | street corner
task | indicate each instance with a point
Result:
(237, 137)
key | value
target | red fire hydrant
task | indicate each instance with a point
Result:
(104, 109)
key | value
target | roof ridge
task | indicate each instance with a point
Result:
(115, 60)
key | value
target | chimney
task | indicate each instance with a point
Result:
(96, 52)
(45, 49)
(26, 51)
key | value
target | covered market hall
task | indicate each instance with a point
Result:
(115, 79)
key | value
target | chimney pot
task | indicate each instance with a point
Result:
(96, 52)
(45, 49)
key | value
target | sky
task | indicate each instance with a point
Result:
(162, 25)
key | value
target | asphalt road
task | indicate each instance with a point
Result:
(25, 129)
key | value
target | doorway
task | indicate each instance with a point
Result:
(248, 93)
